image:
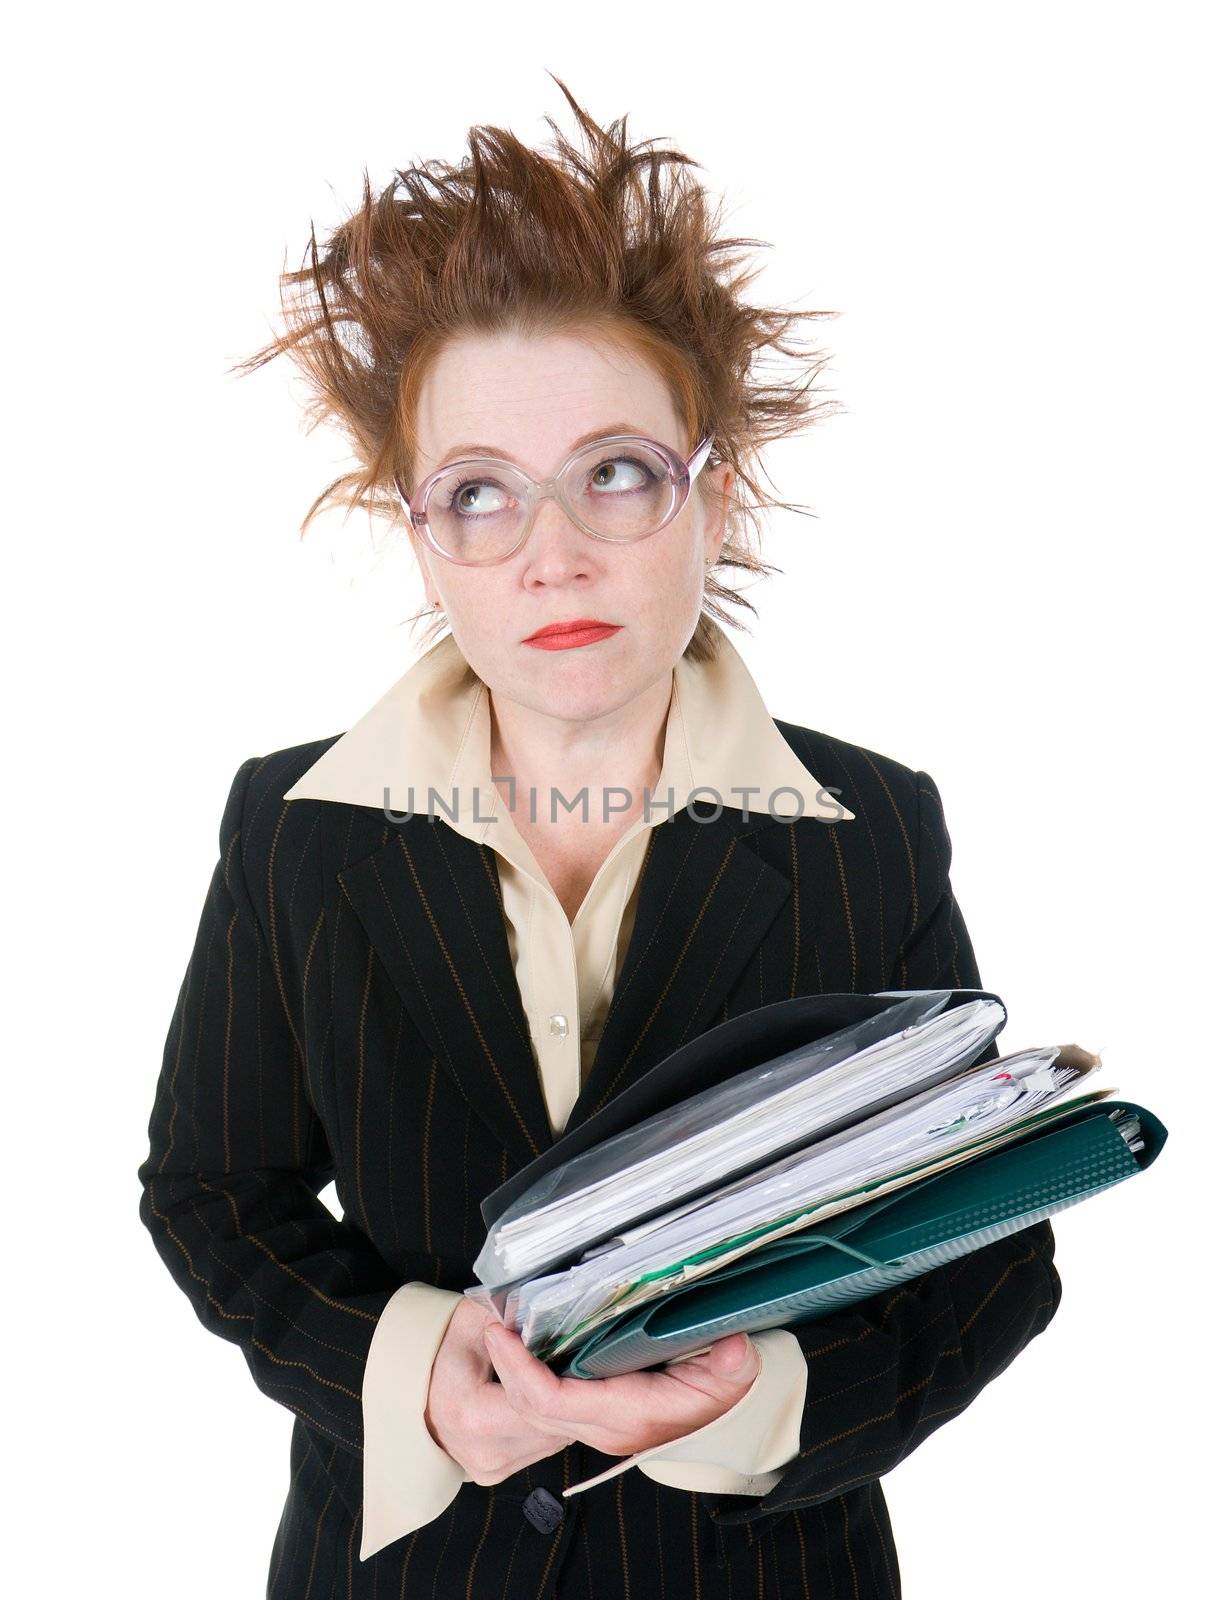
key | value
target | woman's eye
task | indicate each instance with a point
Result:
(619, 475)
(476, 499)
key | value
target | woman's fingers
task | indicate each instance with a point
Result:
(628, 1413)
(536, 1392)
(732, 1360)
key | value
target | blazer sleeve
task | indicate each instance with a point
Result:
(885, 1373)
(237, 1158)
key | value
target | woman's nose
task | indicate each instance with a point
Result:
(555, 539)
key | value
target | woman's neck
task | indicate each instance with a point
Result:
(623, 749)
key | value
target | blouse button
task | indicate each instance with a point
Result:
(558, 1025)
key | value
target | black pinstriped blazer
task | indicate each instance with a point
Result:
(350, 1011)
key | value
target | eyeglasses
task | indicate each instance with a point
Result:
(621, 488)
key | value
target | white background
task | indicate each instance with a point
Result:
(1009, 583)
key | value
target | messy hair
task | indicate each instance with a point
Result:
(616, 240)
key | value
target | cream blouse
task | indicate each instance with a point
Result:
(426, 744)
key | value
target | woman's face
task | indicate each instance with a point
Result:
(532, 398)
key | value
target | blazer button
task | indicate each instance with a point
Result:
(544, 1511)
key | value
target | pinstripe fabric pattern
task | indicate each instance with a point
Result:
(349, 1011)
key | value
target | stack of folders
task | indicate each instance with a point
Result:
(788, 1162)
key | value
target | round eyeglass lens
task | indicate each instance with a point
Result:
(618, 491)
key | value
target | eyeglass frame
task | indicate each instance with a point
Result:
(683, 470)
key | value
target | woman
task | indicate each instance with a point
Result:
(568, 840)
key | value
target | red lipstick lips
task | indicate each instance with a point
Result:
(571, 634)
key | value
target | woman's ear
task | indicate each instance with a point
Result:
(425, 572)
(715, 514)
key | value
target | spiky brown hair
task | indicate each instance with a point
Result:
(617, 240)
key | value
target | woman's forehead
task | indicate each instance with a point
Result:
(532, 399)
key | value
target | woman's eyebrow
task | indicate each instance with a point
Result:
(460, 450)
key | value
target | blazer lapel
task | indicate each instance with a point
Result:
(429, 901)
(705, 901)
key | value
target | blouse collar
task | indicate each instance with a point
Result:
(430, 735)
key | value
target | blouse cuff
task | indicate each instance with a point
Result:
(408, 1478)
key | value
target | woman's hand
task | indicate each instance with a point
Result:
(619, 1416)
(470, 1416)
